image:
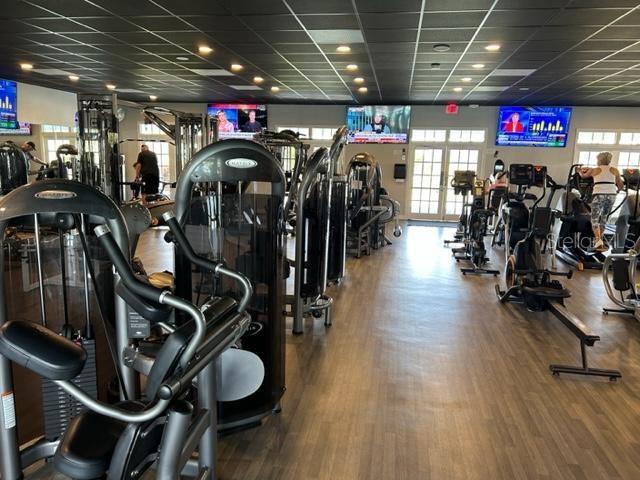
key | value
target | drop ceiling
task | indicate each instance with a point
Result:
(566, 52)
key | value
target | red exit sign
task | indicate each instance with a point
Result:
(451, 109)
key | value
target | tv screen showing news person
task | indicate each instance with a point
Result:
(378, 123)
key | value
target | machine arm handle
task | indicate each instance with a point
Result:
(152, 293)
(180, 239)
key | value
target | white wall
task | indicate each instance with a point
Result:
(45, 105)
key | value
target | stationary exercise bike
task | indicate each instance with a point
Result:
(529, 282)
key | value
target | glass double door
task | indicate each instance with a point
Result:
(432, 171)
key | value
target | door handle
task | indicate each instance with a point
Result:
(442, 177)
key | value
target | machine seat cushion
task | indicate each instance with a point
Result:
(39, 349)
(85, 450)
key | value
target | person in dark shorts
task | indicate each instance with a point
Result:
(147, 171)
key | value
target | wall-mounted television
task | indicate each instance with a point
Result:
(8, 104)
(378, 124)
(533, 126)
(24, 129)
(238, 120)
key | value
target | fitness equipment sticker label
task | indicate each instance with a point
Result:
(8, 410)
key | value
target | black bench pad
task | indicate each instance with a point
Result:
(41, 350)
(86, 449)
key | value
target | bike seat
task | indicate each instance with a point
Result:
(39, 349)
(86, 449)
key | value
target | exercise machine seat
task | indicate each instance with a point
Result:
(39, 349)
(86, 449)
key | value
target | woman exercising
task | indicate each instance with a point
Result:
(606, 184)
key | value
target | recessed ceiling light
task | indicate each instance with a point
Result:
(182, 59)
(153, 98)
(363, 89)
(492, 47)
(352, 66)
(441, 47)
(236, 67)
(358, 80)
(258, 79)
(26, 66)
(111, 86)
(275, 89)
(343, 49)
(205, 49)
(477, 66)
(457, 89)
(435, 66)
(524, 89)
(466, 79)
(74, 78)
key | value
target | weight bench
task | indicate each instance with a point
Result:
(587, 339)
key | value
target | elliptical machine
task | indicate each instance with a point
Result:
(474, 221)
(574, 233)
(628, 221)
(529, 282)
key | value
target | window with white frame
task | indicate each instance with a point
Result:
(459, 159)
(55, 129)
(302, 131)
(466, 136)
(428, 135)
(596, 138)
(52, 147)
(630, 138)
(588, 158)
(322, 133)
(149, 129)
(629, 160)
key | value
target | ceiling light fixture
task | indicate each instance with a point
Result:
(26, 66)
(363, 89)
(441, 47)
(352, 66)
(524, 89)
(466, 79)
(275, 89)
(457, 89)
(492, 47)
(236, 67)
(343, 49)
(205, 49)
(477, 66)
(358, 80)
(111, 86)
(258, 79)
(182, 59)
(153, 98)
(74, 78)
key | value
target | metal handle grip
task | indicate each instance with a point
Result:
(180, 239)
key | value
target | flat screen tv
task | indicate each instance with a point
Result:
(8, 104)
(24, 128)
(239, 120)
(378, 124)
(533, 126)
